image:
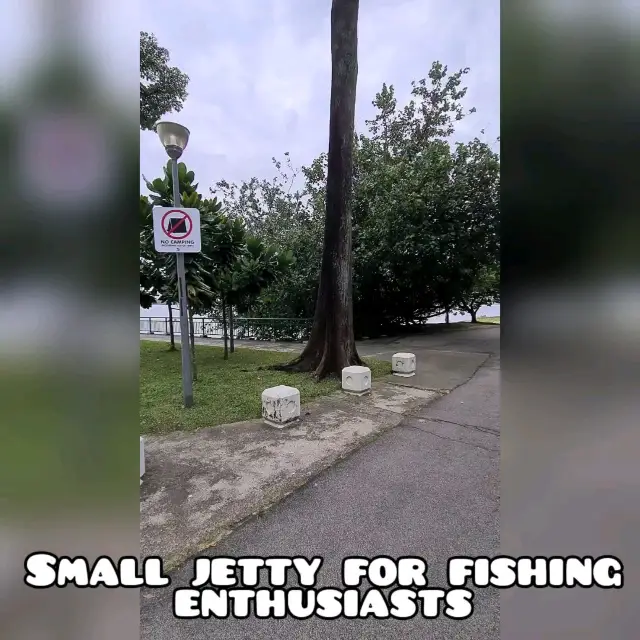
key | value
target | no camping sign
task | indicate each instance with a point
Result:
(176, 230)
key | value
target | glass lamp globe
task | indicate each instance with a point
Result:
(174, 138)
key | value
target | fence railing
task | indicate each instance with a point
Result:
(279, 329)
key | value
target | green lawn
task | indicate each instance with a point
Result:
(226, 391)
(489, 319)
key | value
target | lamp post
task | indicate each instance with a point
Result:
(174, 138)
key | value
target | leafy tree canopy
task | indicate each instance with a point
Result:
(426, 222)
(163, 88)
(232, 265)
(425, 212)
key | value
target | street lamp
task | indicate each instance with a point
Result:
(174, 138)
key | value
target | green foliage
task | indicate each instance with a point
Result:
(255, 268)
(149, 262)
(162, 88)
(484, 291)
(270, 208)
(281, 216)
(231, 266)
(222, 241)
(279, 329)
(425, 213)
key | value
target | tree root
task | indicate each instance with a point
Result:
(317, 365)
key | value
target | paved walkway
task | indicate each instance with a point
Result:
(479, 338)
(199, 485)
(429, 487)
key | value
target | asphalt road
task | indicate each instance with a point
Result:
(429, 488)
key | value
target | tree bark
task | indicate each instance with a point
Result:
(231, 330)
(331, 345)
(192, 339)
(473, 315)
(446, 315)
(225, 335)
(171, 332)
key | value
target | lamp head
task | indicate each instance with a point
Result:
(174, 138)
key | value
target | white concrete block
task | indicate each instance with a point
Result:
(403, 364)
(280, 406)
(356, 380)
(141, 458)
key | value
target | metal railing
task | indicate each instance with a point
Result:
(278, 329)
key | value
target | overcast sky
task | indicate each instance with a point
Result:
(260, 73)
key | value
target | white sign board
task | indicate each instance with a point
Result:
(176, 230)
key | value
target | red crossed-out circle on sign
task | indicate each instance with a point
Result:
(177, 214)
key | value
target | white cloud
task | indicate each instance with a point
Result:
(260, 73)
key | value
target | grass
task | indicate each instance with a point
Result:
(226, 391)
(489, 319)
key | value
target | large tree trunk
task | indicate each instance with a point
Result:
(446, 315)
(225, 334)
(331, 345)
(474, 315)
(232, 347)
(192, 339)
(171, 332)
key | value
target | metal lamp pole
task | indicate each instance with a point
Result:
(174, 137)
(187, 376)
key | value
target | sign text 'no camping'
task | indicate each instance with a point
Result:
(176, 230)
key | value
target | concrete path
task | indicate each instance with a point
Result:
(198, 486)
(480, 338)
(428, 487)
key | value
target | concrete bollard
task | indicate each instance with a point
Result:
(141, 458)
(403, 364)
(280, 406)
(356, 380)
